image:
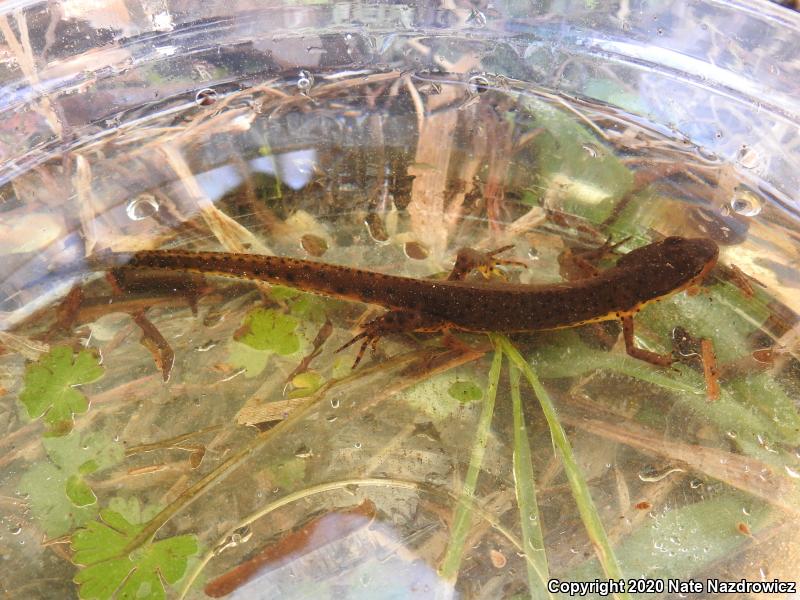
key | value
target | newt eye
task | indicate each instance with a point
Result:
(673, 240)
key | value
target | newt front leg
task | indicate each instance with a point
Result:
(660, 360)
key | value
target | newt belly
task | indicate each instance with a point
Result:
(643, 275)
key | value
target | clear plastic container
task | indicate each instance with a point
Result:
(196, 436)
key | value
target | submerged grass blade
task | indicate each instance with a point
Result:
(580, 490)
(463, 514)
(525, 488)
(735, 410)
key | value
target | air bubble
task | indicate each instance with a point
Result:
(793, 473)
(303, 451)
(141, 207)
(650, 474)
(206, 97)
(305, 81)
(477, 84)
(745, 203)
(210, 345)
(707, 154)
(747, 157)
(591, 150)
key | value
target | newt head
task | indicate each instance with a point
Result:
(671, 265)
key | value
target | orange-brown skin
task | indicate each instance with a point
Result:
(644, 275)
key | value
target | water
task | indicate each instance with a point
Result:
(340, 478)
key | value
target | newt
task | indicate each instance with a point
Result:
(644, 275)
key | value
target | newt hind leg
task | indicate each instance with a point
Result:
(394, 321)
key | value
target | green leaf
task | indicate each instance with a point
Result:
(614, 92)
(703, 315)
(282, 292)
(302, 304)
(749, 413)
(60, 498)
(49, 386)
(767, 397)
(241, 356)
(131, 509)
(682, 542)
(587, 509)
(290, 472)
(465, 391)
(45, 484)
(462, 518)
(584, 177)
(432, 396)
(102, 580)
(308, 307)
(89, 467)
(305, 384)
(269, 329)
(79, 492)
(107, 572)
(525, 491)
(83, 453)
(342, 366)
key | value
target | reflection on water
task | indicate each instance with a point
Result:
(337, 553)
